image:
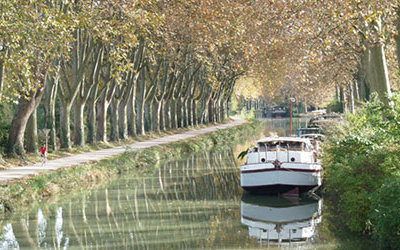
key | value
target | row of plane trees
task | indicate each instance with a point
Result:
(103, 71)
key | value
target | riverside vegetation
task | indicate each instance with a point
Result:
(19, 194)
(362, 172)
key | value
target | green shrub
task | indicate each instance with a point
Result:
(385, 215)
(6, 113)
(3, 136)
(248, 114)
(335, 106)
(358, 159)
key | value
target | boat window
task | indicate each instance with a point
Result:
(272, 145)
(296, 146)
(284, 146)
(262, 147)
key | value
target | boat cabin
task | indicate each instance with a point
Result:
(283, 149)
(305, 131)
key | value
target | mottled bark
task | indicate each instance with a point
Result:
(65, 126)
(343, 99)
(162, 116)
(350, 96)
(102, 121)
(123, 121)
(114, 136)
(79, 124)
(50, 109)
(25, 107)
(31, 133)
(91, 120)
(381, 83)
(140, 103)
(1, 78)
(398, 36)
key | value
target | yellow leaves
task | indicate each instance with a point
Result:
(249, 87)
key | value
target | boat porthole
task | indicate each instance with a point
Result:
(292, 159)
(262, 159)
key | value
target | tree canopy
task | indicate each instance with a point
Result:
(180, 60)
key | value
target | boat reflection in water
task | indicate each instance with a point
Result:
(278, 220)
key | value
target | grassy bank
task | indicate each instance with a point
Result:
(21, 193)
(362, 173)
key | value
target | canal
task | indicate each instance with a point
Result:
(194, 202)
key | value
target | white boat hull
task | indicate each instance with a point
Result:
(267, 178)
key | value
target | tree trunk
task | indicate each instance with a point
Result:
(305, 106)
(228, 107)
(161, 113)
(92, 122)
(356, 91)
(337, 88)
(381, 85)
(343, 99)
(210, 112)
(185, 111)
(222, 110)
(351, 98)
(132, 130)
(179, 113)
(79, 125)
(115, 120)
(1, 78)
(189, 109)
(174, 114)
(31, 133)
(167, 115)
(195, 118)
(52, 118)
(398, 37)
(102, 121)
(18, 125)
(123, 122)
(65, 127)
(140, 118)
(149, 124)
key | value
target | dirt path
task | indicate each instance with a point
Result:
(70, 161)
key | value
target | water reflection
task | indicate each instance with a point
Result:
(8, 240)
(273, 219)
(191, 203)
(182, 204)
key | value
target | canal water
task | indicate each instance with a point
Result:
(191, 203)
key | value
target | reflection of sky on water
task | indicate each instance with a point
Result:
(8, 240)
(277, 219)
(42, 225)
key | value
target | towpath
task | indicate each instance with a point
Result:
(71, 161)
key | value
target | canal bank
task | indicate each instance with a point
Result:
(25, 191)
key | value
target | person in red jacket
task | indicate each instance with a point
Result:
(43, 154)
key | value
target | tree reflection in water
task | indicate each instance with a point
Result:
(183, 204)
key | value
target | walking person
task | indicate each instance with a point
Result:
(43, 154)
